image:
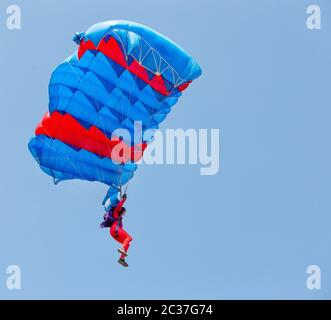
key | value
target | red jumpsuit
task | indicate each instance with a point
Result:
(117, 231)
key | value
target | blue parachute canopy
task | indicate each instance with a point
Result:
(122, 73)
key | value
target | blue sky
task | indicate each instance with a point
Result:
(248, 232)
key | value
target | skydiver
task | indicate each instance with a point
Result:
(114, 221)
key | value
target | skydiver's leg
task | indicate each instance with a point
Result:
(127, 242)
(125, 239)
(116, 234)
(120, 236)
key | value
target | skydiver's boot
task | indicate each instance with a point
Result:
(123, 262)
(123, 252)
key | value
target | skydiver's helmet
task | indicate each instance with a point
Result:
(108, 220)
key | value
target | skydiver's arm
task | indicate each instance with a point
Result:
(119, 207)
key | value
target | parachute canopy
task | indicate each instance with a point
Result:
(121, 73)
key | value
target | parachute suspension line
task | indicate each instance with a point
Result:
(117, 177)
(126, 187)
(177, 79)
(119, 174)
(121, 192)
